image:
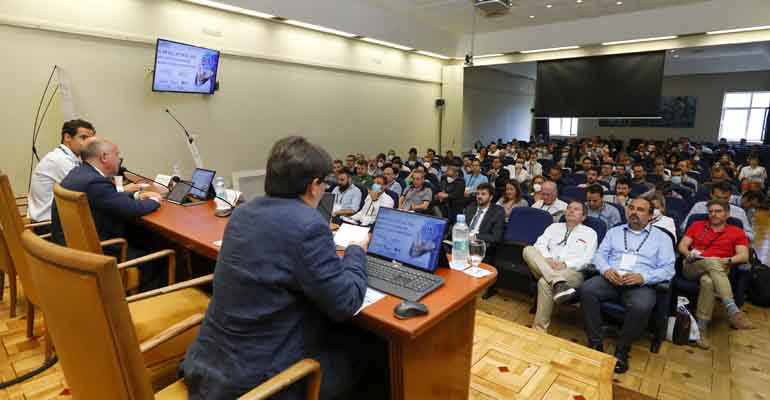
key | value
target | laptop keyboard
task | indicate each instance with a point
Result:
(400, 281)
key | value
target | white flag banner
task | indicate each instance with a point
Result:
(65, 89)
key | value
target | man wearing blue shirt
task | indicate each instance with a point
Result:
(347, 198)
(632, 259)
(474, 179)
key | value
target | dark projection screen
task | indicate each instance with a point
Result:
(617, 86)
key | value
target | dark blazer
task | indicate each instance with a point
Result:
(109, 208)
(492, 226)
(453, 204)
(503, 176)
(279, 286)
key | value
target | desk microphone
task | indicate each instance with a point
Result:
(189, 137)
(123, 170)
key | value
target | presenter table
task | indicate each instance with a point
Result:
(429, 356)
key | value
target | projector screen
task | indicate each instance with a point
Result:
(617, 86)
(184, 68)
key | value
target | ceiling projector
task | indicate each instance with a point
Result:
(493, 6)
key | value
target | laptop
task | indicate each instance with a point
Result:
(326, 206)
(194, 192)
(404, 252)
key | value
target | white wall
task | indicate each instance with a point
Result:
(276, 80)
(496, 105)
(709, 89)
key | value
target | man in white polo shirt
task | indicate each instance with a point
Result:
(55, 166)
(556, 261)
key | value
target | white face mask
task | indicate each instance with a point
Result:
(537, 187)
(450, 179)
(380, 164)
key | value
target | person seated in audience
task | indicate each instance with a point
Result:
(677, 179)
(557, 176)
(399, 168)
(607, 176)
(533, 166)
(449, 155)
(362, 176)
(728, 165)
(431, 180)
(449, 199)
(550, 201)
(586, 164)
(483, 157)
(486, 220)
(493, 150)
(391, 183)
(640, 177)
(417, 196)
(347, 198)
(517, 171)
(467, 168)
(592, 178)
(597, 208)
(622, 192)
(685, 167)
(753, 170)
(557, 259)
(54, 166)
(377, 198)
(632, 259)
(350, 162)
(659, 218)
(331, 179)
(497, 175)
(430, 156)
(474, 179)
(722, 191)
(536, 188)
(711, 248)
(111, 210)
(750, 202)
(662, 174)
(412, 160)
(245, 340)
(511, 198)
(372, 167)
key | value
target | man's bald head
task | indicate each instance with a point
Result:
(101, 153)
(549, 192)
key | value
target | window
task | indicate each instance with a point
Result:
(744, 115)
(563, 126)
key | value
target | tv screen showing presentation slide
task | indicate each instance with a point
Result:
(410, 238)
(184, 68)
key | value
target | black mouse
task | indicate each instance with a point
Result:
(409, 309)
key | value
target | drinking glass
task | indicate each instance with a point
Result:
(477, 249)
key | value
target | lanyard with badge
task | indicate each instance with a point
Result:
(629, 259)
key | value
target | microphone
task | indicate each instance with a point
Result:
(189, 137)
(122, 170)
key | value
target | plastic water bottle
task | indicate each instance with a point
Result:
(219, 189)
(460, 243)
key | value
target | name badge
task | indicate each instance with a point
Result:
(628, 261)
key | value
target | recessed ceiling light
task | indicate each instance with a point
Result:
(652, 39)
(755, 28)
(548, 5)
(620, 3)
(429, 54)
(227, 7)
(579, 1)
(489, 55)
(550, 49)
(388, 44)
(319, 28)
(531, 17)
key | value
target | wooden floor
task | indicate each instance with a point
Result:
(507, 355)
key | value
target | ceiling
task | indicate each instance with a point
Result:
(696, 60)
(457, 15)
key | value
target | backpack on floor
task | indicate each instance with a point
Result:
(759, 291)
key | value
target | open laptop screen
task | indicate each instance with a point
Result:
(409, 238)
(201, 181)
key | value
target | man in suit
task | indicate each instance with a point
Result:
(276, 302)
(487, 220)
(498, 176)
(110, 209)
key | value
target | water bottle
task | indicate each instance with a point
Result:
(460, 243)
(219, 189)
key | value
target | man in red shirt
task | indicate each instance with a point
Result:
(712, 247)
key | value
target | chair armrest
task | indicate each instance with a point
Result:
(154, 256)
(37, 224)
(303, 368)
(170, 333)
(172, 288)
(46, 236)
(120, 242)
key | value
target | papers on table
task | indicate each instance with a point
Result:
(372, 296)
(348, 234)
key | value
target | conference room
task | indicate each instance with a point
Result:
(369, 199)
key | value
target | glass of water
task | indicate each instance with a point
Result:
(477, 250)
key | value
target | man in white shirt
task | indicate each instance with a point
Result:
(556, 261)
(550, 201)
(518, 171)
(377, 198)
(55, 166)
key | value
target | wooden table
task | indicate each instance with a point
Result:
(430, 356)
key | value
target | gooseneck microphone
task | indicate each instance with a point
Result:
(189, 137)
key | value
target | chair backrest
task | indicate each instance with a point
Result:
(526, 224)
(251, 183)
(393, 196)
(577, 179)
(575, 193)
(364, 192)
(598, 226)
(6, 263)
(676, 204)
(11, 227)
(88, 319)
(621, 210)
(638, 190)
(76, 220)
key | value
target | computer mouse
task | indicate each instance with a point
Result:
(409, 309)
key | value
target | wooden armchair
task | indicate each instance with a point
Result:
(7, 268)
(152, 311)
(80, 233)
(99, 351)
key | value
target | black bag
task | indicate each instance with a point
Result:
(759, 292)
(681, 335)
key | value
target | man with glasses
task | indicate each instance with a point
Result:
(711, 248)
(550, 201)
(723, 191)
